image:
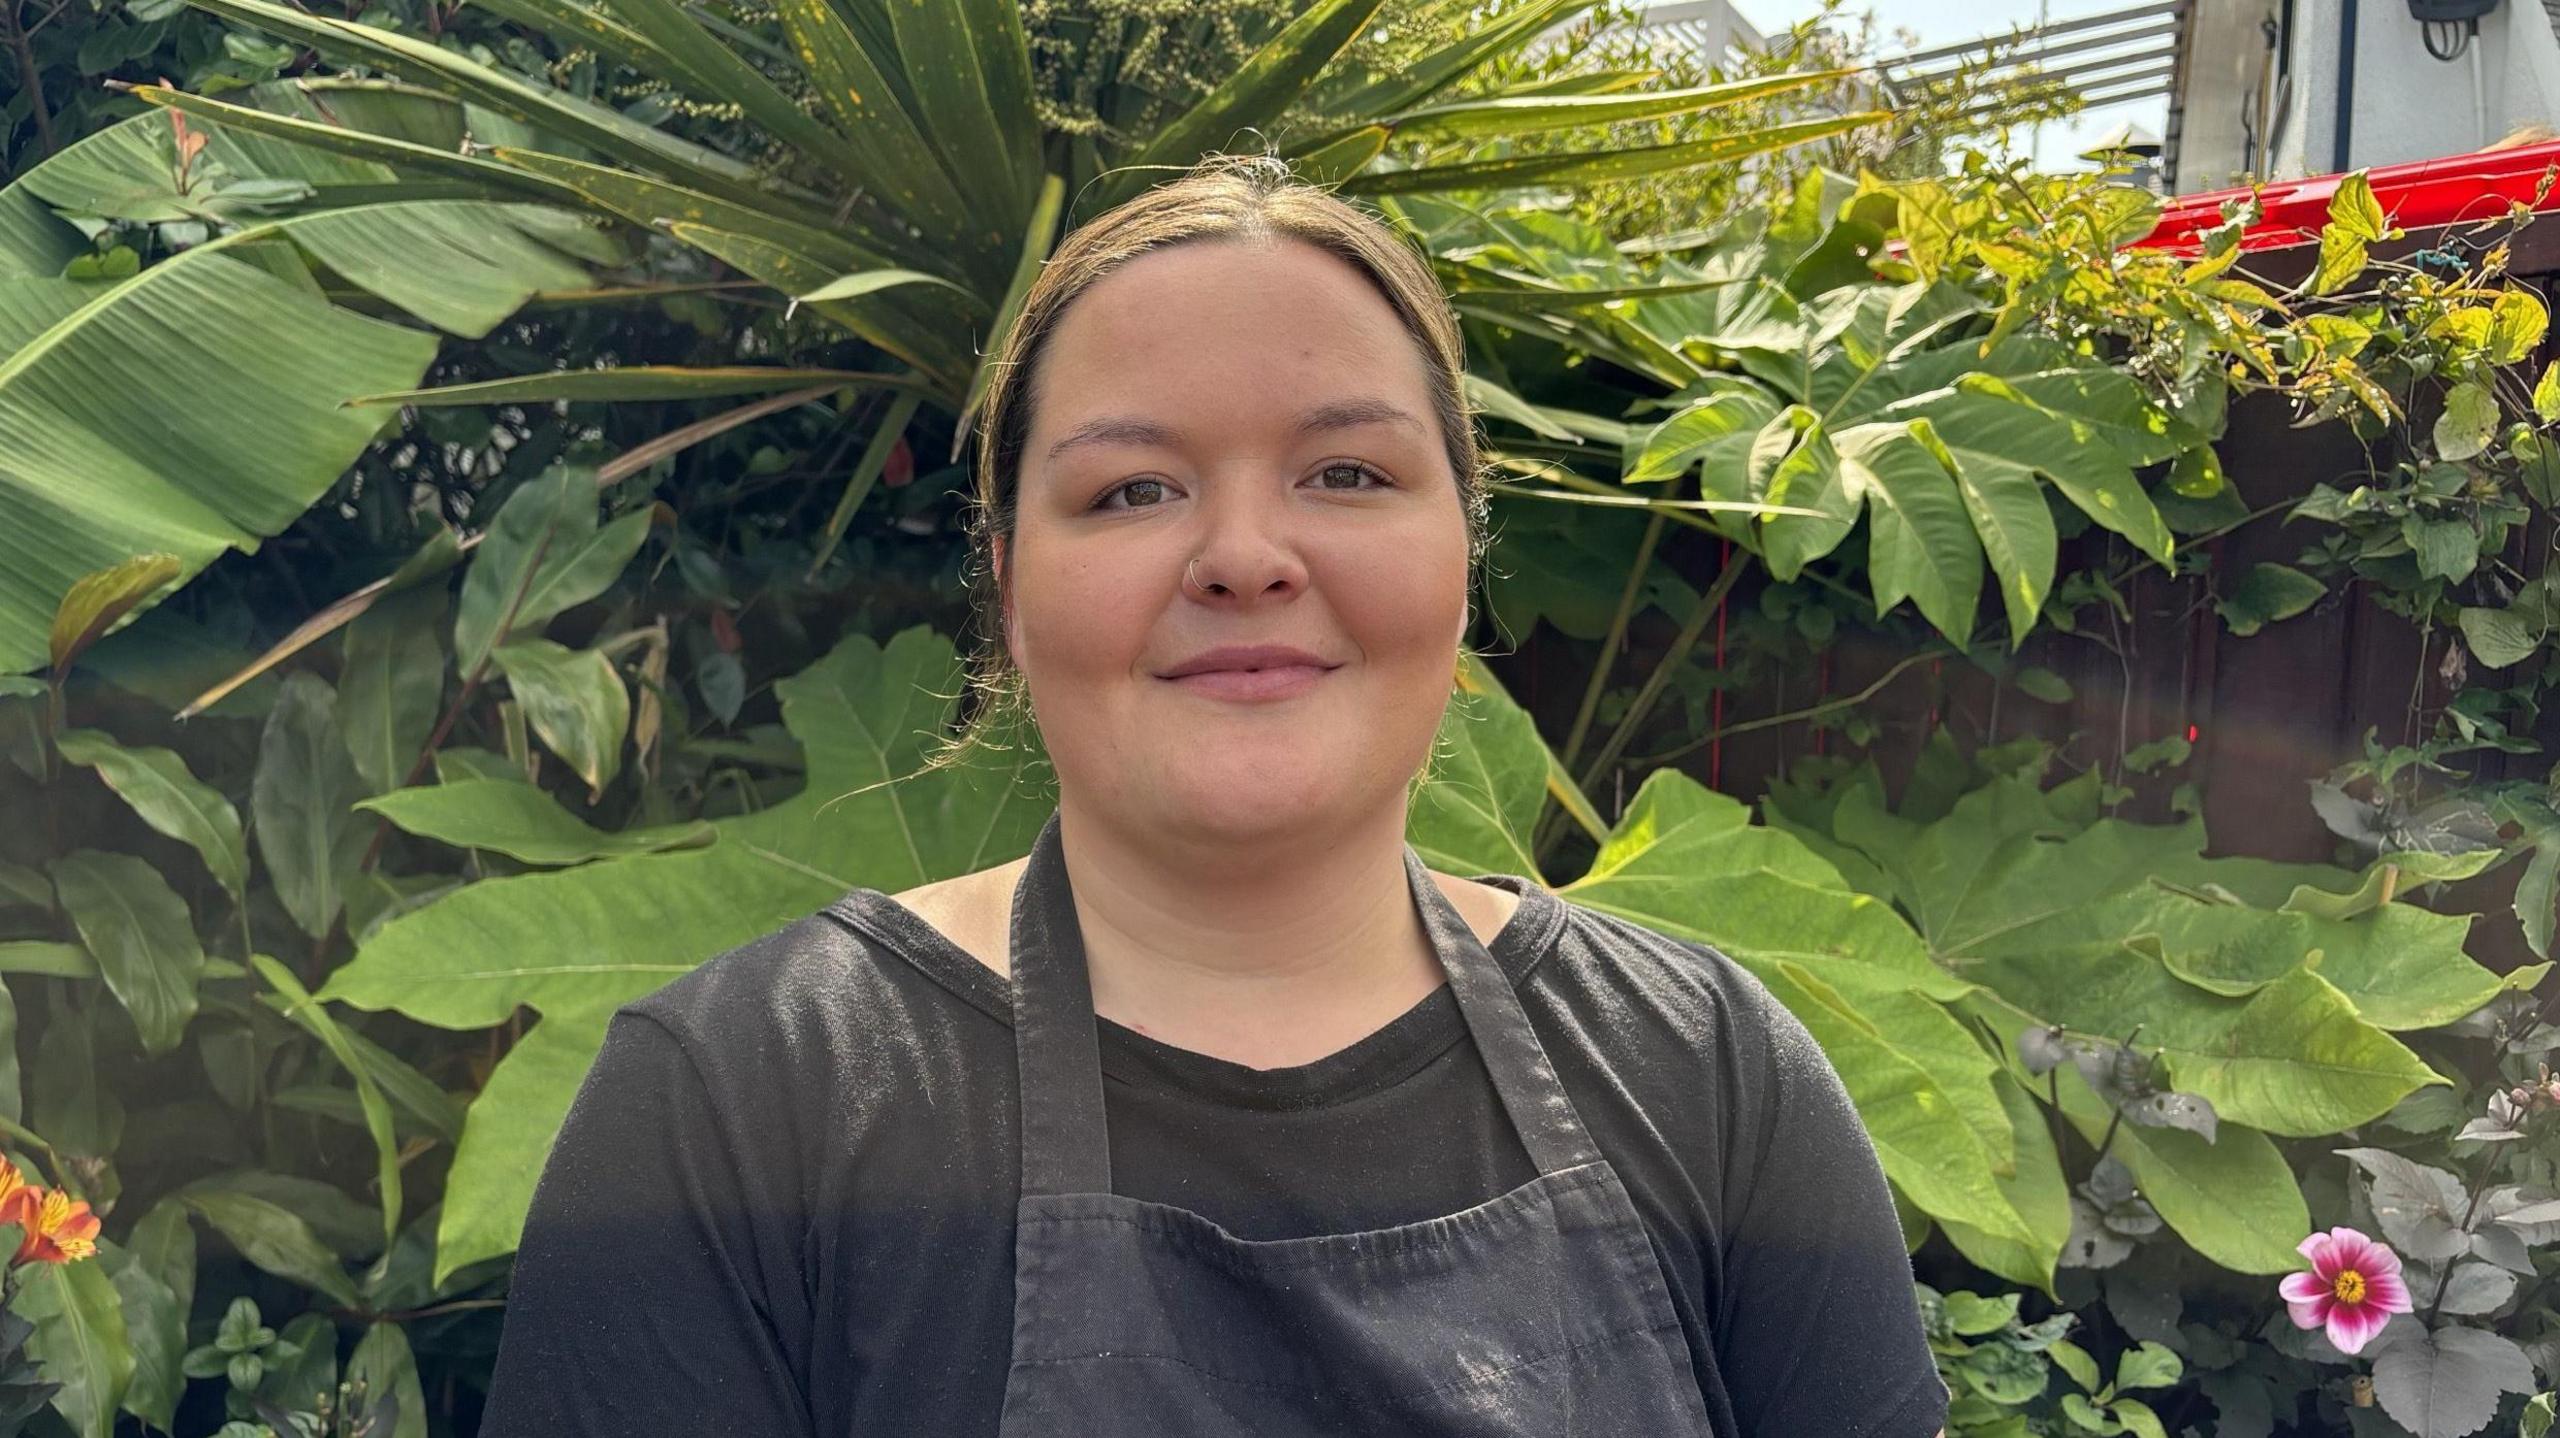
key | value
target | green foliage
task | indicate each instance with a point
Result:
(630, 734)
(268, 363)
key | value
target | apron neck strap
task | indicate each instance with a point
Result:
(1065, 1140)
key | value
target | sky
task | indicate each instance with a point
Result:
(1941, 22)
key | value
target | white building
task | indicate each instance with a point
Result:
(2279, 89)
(1710, 29)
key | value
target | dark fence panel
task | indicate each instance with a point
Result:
(2267, 713)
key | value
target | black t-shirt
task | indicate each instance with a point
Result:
(783, 1200)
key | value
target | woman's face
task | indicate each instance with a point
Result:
(1262, 411)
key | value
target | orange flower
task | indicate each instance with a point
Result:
(11, 1184)
(59, 1228)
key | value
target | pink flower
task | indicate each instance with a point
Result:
(2354, 1287)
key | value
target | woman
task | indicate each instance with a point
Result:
(1220, 1113)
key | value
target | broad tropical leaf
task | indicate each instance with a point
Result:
(248, 377)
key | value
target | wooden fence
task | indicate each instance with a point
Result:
(2266, 713)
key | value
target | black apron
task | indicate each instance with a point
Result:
(1542, 1312)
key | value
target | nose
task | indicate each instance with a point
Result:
(1245, 555)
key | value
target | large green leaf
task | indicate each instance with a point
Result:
(970, 68)
(577, 943)
(297, 1005)
(726, 76)
(1921, 544)
(1593, 166)
(1488, 784)
(1348, 92)
(507, 1136)
(79, 1342)
(1929, 1151)
(630, 382)
(2037, 1191)
(460, 265)
(576, 702)
(168, 797)
(547, 108)
(300, 800)
(1686, 861)
(142, 936)
(2403, 967)
(1793, 463)
(899, 160)
(874, 316)
(2233, 1198)
(545, 553)
(390, 155)
(2293, 1058)
(274, 1238)
(156, 1330)
(264, 366)
(392, 683)
(2073, 932)
(1507, 116)
(383, 1363)
(521, 821)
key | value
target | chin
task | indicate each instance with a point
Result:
(1237, 806)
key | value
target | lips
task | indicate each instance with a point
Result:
(1246, 657)
(1281, 681)
(1249, 673)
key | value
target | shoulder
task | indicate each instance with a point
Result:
(1646, 1000)
(1687, 980)
(973, 911)
(800, 1009)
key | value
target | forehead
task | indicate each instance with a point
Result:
(1240, 331)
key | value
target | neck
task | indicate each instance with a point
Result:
(1273, 952)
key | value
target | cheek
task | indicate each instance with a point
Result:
(1075, 615)
(1411, 593)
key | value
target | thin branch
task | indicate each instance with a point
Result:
(29, 76)
(622, 466)
(1793, 716)
(1687, 639)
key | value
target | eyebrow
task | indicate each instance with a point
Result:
(1320, 419)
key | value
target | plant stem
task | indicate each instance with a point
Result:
(1554, 824)
(1660, 678)
(1616, 640)
(470, 686)
(2108, 1138)
(32, 79)
(1843, 701)
(2479, 1176)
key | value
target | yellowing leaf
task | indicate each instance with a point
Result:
(2516, 324)
(2470, 418)
(96, 601)
(2341, 259)
(2468, 328)
(2354, 210)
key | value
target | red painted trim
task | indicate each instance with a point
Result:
(2417, 195)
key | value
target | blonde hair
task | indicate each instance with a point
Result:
(1224, 197)
(2532, 132)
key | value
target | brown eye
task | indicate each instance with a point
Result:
(1354, 468)
(1104, 502)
